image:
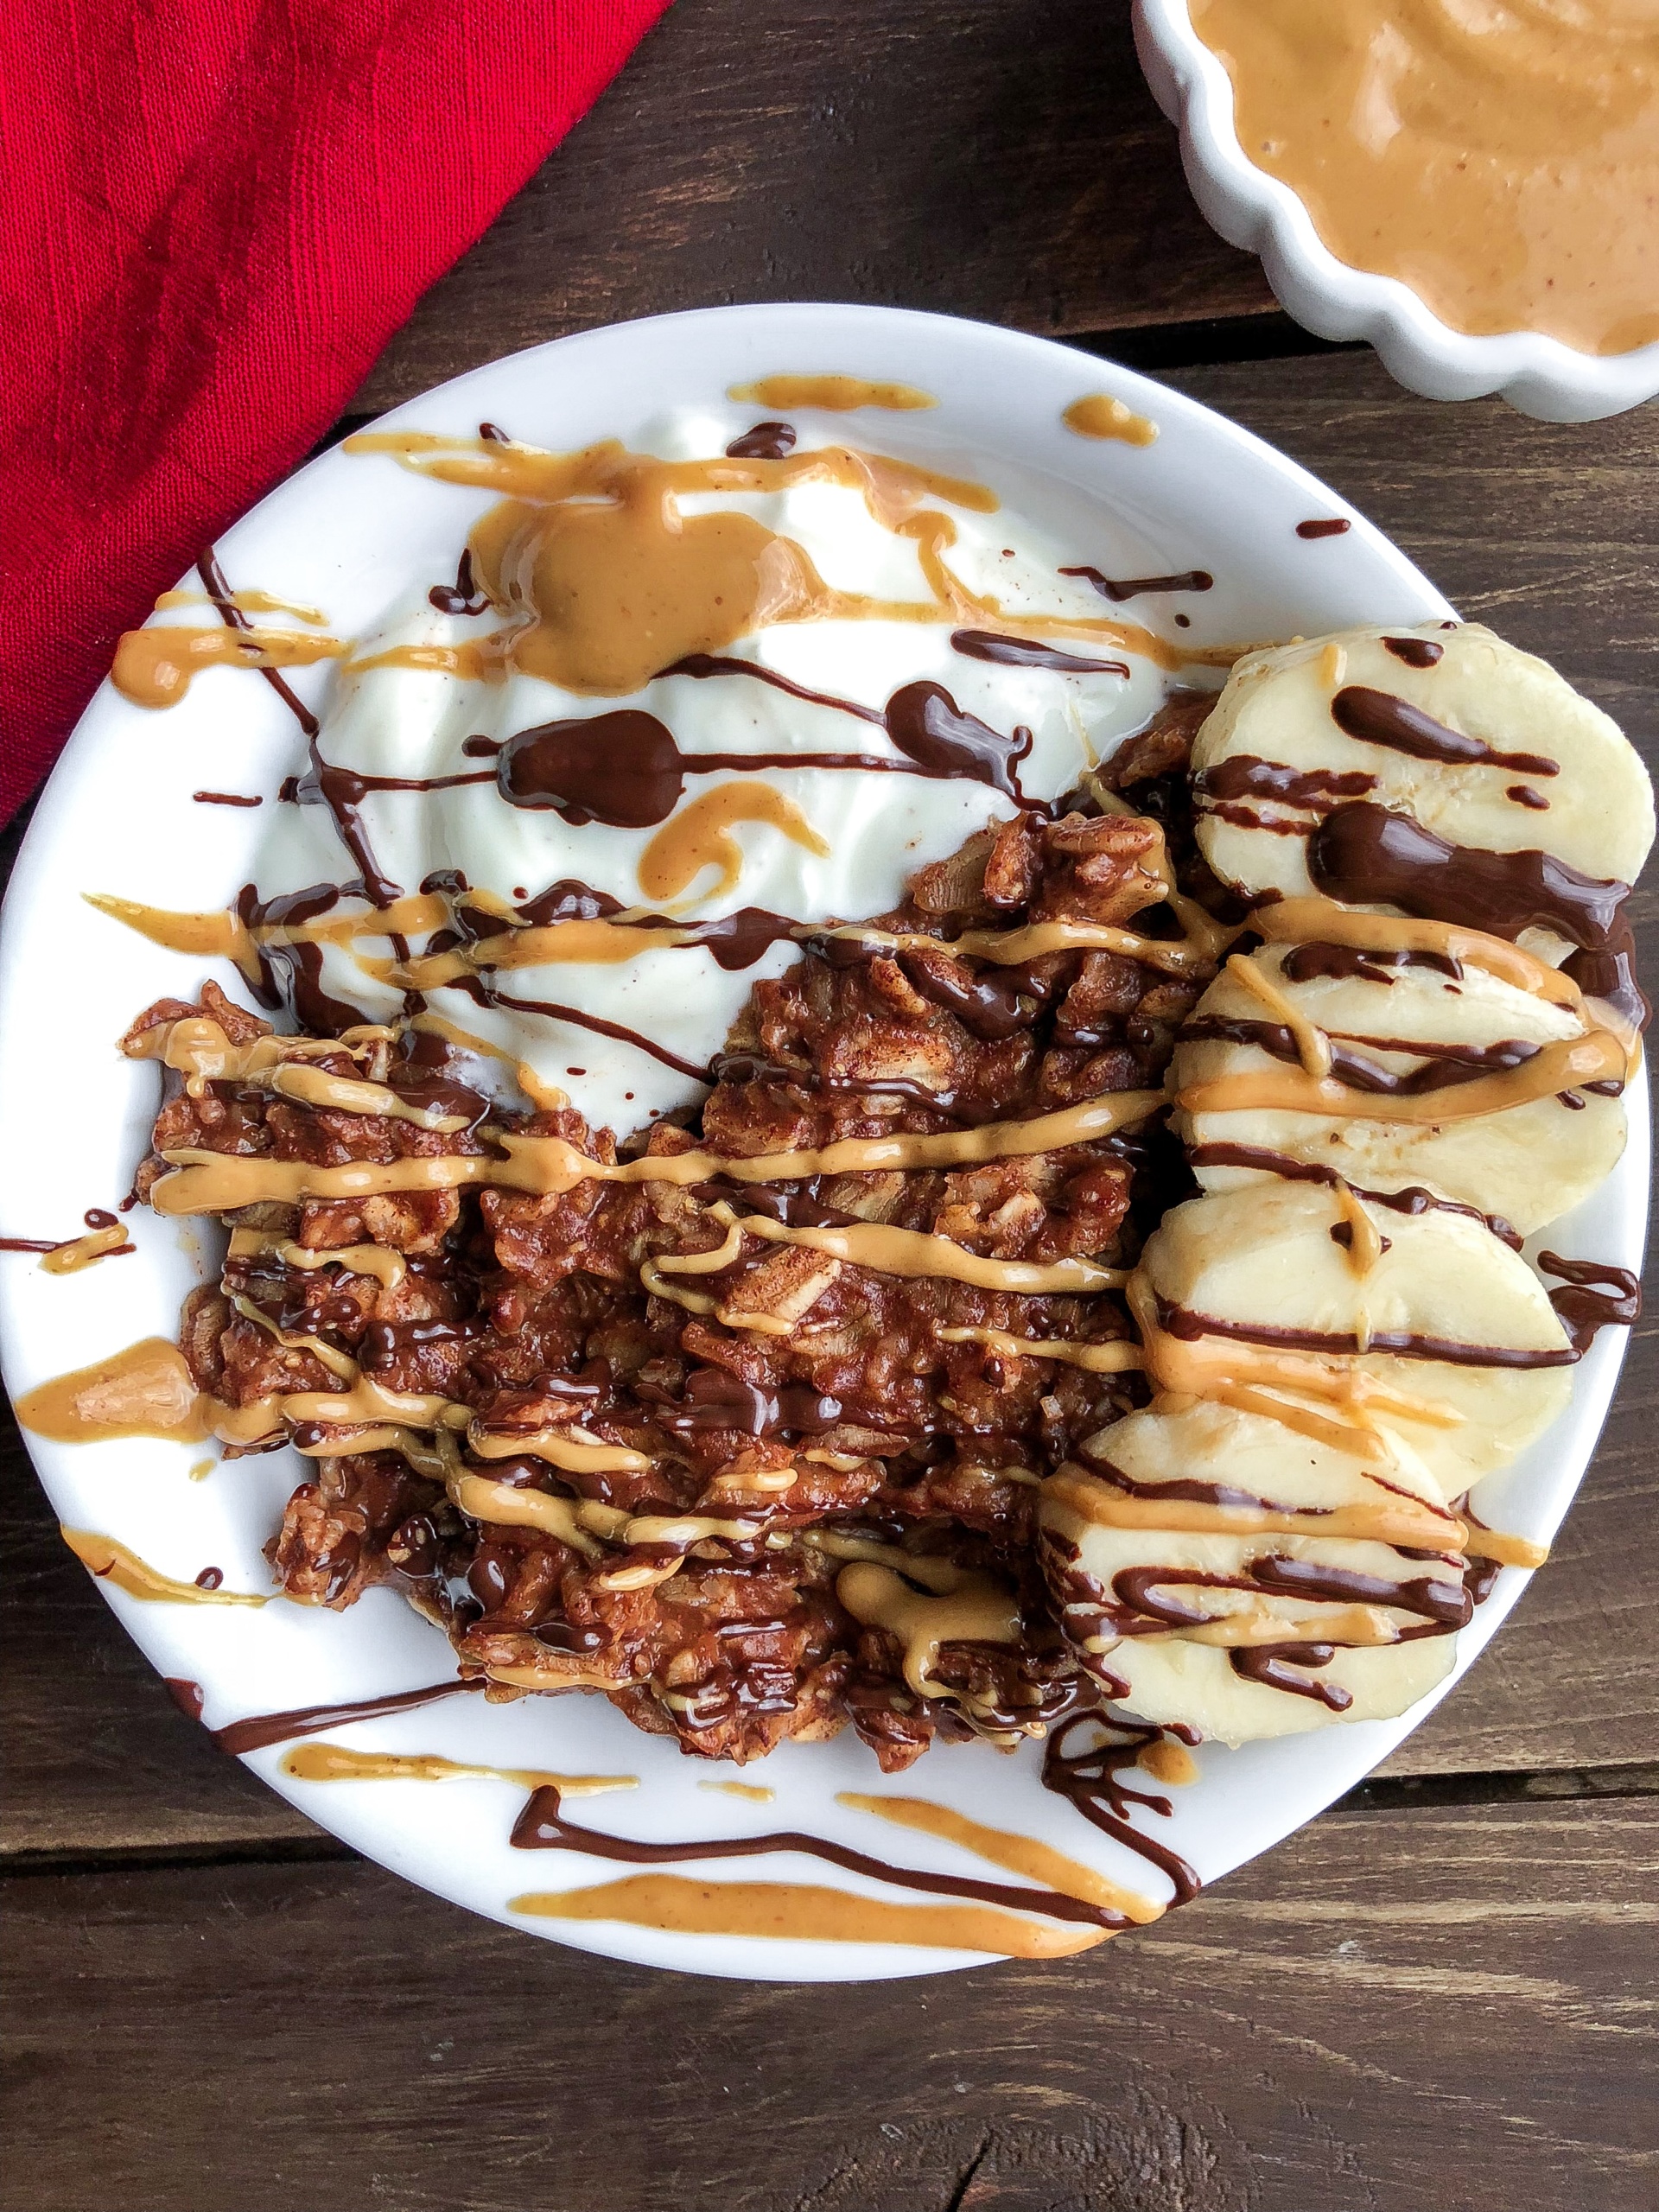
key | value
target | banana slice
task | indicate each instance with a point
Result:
(1424, 1321)
(1419, 1029)
(1276, 1558)
(1482, 745)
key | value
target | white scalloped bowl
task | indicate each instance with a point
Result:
(1538, 375)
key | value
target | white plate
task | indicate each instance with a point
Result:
(1537, 374)
(117, 815)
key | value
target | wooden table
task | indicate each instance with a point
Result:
(1440, 1996)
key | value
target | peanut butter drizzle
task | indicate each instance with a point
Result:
(608, 582)
(1501, 162)
(331, 1356)
(970, 1609)
(1168, 1762)
(547, 1097)
(753, 1793)
(913, 1252)
(1302, 921)
(1391, 1520)
(805, 1912)
(1509, 1551)
(338, 1763)
(1311, 1042)
(78, 1252)
(245, 602)
(1013, 948)
(217, 934)
(109, 1562)
(387, 1267)
(1019, 1854)
(154, 667)
(1214, 1367)
(145, 1390)
(1117, 1358)
(834, 395)
(1363, 1627)
(523, 1509)
(1365, 1237)
(578, 1455)
(699, 837)
(1100, 415)
(210, 1182)
(199, 1049)
(1598, 1057)
(599, 944)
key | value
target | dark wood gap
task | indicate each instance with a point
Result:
(1209, 341)
(152, 1859)
(1379, 1796)
(1396, 1793)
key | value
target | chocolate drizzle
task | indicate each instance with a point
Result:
(1188, 1327)
(1585, 1308)
(1444, 1067)
(1091, 1780)
(1029, 653)
(1303, 963)
(463, 596)
(185, 1694)
(765, 442)
(1416, 652)
(213, 583)
(1243, 776)
(626, 769)
(1133, 587)
(1382, 718)
(1366, 855)
(1330, 526)
(542, 1825)
(1280, 1667)
(290, 975)
(1412, 1200)
(259, 1729)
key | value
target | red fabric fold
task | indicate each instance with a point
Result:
(217, 212)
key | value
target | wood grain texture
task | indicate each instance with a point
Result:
(1552, 534)
(1434, 2009)
(999, 158)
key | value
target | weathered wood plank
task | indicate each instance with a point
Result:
(1431, 2008)
(1003, 160)
(98, 1756)
(1552, 534)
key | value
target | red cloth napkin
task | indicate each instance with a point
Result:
(217, 212)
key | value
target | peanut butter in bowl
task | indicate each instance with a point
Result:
(1500, 157)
